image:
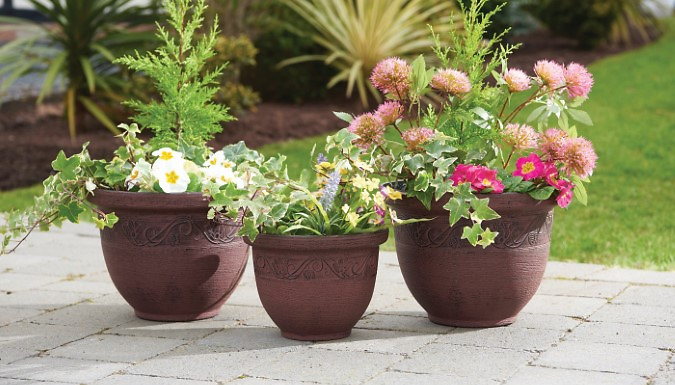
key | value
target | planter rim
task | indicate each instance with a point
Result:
(319, 242)
(148, 200)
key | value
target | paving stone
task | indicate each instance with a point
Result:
(14, 261)
(325, 366)
(388, 293)
(250, 339)
(265, 381)
(99, 313)
(245, 315)
(128, 379)
(178, 330)
(604, 358)
(246, 294)
(665, 278)
(403, 378)
(624, 334)
(636, 314)
(534, 375)
(113, 348)
(465, 361)
(9, 314)
(15, 281)
(9, 381)
(43, 299)
(33, 338)
(404, 323)
(207, 363)
(66, 267)
(407, 306)
(647, 295)
(504, 337)
(562, 305)
(60, 369)
(570, 270)
(545, 321)
(579, 288)
(12, 353)
(379, 341)
(666, 376)
(82, 286)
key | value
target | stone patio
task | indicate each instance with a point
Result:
(62, 322)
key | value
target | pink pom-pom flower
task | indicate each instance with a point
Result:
(392, 76)
(416, 137)
(517, 80)
(551, 74)
(579, 80)
(453, 82)
(370, 129)
(389, 112)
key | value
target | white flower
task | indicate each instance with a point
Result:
(167, 154)
(214, 160)
(345, 208)
(171, 175)
(141, 176)
(353, 218)
(222, 175)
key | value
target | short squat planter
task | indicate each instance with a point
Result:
(461, 285)
(316, 288)
(168, 261)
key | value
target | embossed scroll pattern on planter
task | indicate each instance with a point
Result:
(314, 268)
(514, 233)
(176, 232)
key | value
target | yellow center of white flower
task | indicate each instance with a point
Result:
(226, 179)
(134, 174)
(228, 164)
(528, 167)
(171, 177)
(213, 161)
(166, 155)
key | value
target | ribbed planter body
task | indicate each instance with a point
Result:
(316, 287)
(461, 285)
(168, 261)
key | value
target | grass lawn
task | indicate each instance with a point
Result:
(629, 220)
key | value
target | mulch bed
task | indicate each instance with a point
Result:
(30, 136)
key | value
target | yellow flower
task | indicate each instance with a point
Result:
(392, 194)
(360, 182)
(373, 184)
(353, 218)
(379, 199)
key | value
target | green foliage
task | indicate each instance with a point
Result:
(357, 34)
(237, 52)
(79, 46)
(594, 22)
(185, 118)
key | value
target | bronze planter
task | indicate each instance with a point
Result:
(316, 288)
(461, 285)
(168, 261)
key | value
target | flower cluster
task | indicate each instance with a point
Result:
(450, 131)
(174, 173)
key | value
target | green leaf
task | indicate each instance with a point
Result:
(344, 116)
(418, 74)
(458, 208)
(248, 229)
(66, 166)
(542, 194)
(415, 162)
(422, 181)
(580, 116)
(536, 114)
(482, 210)
(471, 234)
(443, 165)
(523, 186)
(278, 211)
(88, 73)
(436, 149)
(487, 237)
(99, 114)
(580, 190)
(442, 187)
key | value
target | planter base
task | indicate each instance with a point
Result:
(176, 317)
(471, 324)
(316, 337)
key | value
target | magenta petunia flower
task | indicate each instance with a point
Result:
(578, 156)
(520, 136)
(454, 82)
(517, 80)
(551, 175)
(392, 76)
(464, 173)
(551, 74)
(480, 177)
(415, 137)
(389, 112)
(485, 179)
(369, 128)
(579, 80)
(551, 143)
(529, 167)
(566, 194)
